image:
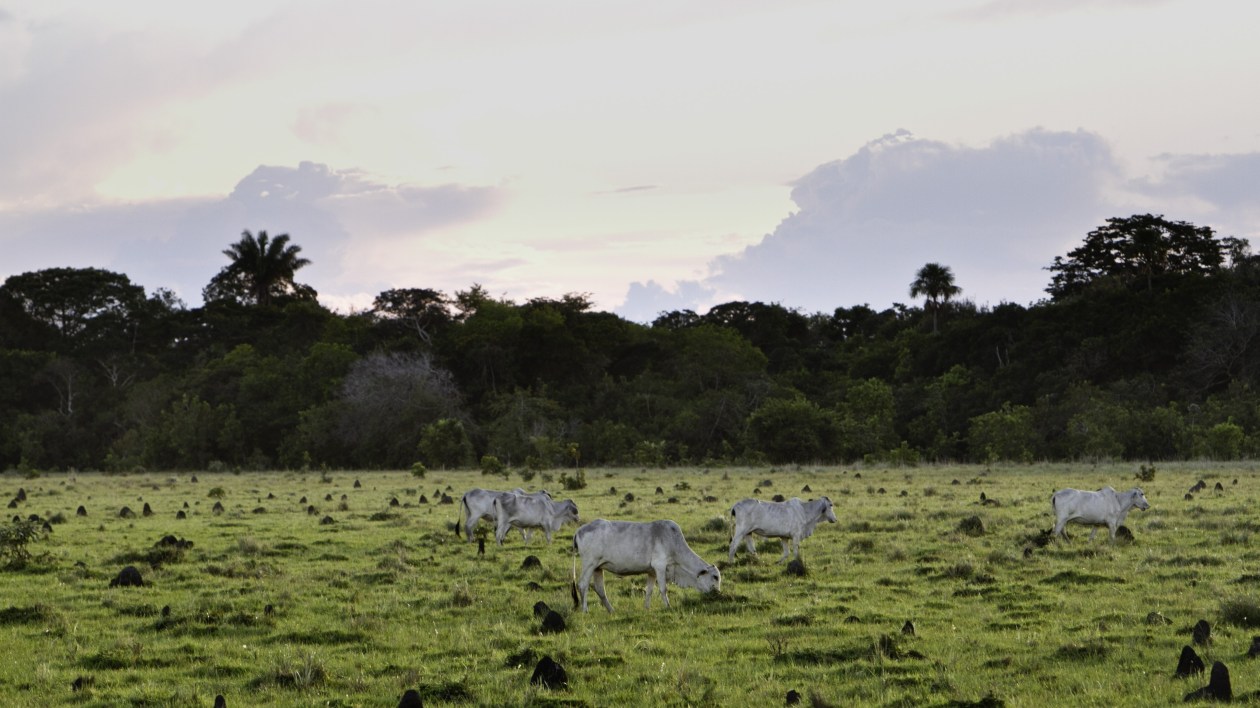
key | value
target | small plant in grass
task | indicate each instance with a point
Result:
(14, 539)
(778, 644)
(418, 470)
(716, 523)
(303, 673)
(1241, 612)
(216, 493)
(250, 546)
(461, 595)
(1145, 474)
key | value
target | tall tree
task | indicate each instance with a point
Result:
(71, 307)
(935, 282)
(425, 311)
(261, 271)
(1138, 249)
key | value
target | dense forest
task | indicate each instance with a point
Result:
(1145, 348)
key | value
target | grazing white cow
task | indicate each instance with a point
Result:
(1105, 507)
(478, 504)
(654, 548)
(791, 520)
(523, 512)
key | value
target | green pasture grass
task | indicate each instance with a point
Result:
(271, 607)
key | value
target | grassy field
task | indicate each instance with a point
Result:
(312, 589)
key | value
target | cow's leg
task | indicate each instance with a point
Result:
(469, 525)
(786, 547)
(547, 532)
(1060, 529)
(584, 583)
(501, 531)
(735, 540)
(1094, 532)
(599, 590)
(660, 582)
(751, 542)
(647, 592)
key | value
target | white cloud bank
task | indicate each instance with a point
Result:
(338, 217)
(996, 214)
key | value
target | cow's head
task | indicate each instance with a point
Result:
(709, 579)
(1139, 499)
(829, 512)
(567, 512)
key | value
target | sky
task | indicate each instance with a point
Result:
(654, 154)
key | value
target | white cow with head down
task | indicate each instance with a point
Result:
(654, 548)
(1105, 507)
(790, 520)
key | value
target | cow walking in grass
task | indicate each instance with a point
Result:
(478, 504)
(1105, 507)
(525, 512)
(789, 521)
(655, 548)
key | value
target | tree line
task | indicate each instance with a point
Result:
(1147, 347)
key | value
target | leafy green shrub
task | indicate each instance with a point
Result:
(418, 470)
(649, 453)
(216, 493)
(577, 481)
(1223, 441)
(14, 539)
(491, 465)
(793, 430)
(445, 444)
(1005, 434)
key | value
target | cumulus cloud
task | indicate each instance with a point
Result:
(73, 100)
(996, 214)
(1226, 182)
(177, 244)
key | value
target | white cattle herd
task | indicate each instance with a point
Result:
(658, 549)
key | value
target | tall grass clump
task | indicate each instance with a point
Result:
(1241, 611)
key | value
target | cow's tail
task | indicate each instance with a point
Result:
(460, 515)
(573, 583)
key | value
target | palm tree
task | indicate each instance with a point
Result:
(261, 271)
(936, 283)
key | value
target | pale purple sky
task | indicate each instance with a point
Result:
(655, 154)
